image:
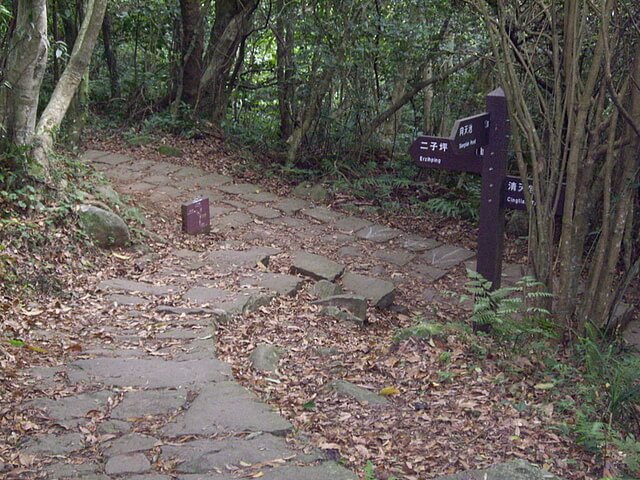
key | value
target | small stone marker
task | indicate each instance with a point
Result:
(195, 216)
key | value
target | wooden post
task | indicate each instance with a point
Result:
(494, 166)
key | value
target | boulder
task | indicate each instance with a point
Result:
(356, 392)
(105, 228)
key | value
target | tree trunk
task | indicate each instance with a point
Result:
(66, 87)
(427, 124)
(110, 56)
(284, 69)
(231, 24)
(26, 63)
(192, 50)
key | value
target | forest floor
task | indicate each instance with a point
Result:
(453, 400)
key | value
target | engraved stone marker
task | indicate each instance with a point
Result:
(195, 216)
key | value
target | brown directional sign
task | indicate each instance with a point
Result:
(470, 133)
(513, 194)
(195, 216)
(436, 152)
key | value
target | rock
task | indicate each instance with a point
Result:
(105, 228)
(108, 194)
(86, 471)
(244, 301)
(129, 300)
(354, 391)
(316, 266)
(76, 406)
(114, 427)
(323, 471)
(325, 288)
(517, 224)
(378, 233)
(428, 271)
(355, 304)
(131, 463)
(316, 193)
(231, 260)
(260, 197)
(514, 470)
(265, 358)
(169, 310)
(380, 292)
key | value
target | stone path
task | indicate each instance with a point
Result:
(136, 412)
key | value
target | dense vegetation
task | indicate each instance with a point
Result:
(338, 90)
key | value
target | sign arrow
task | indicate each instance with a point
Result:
(470, 133)
(437, 152)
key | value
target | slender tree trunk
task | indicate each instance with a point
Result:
(66, 87)
(284, 69)
(26, 63)
(110, 56)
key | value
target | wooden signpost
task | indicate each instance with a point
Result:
(478, 144)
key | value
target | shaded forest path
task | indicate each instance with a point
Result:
(149, 399)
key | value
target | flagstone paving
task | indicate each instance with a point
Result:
(178, 412)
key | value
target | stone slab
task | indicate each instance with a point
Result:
(260, 197)
(513, 470)
(149, 373)
(185, 172)
(232, 303)
(131, 443)
(379, 292)
(447, 256)
(157, 179)
(430, 273)
(231, 260)
(233, 220)
(355, 304)
(316, 266)
(52, 444)
(280, 283)
(323, 471)
(351, 224)
(227, 406)
(397, 257)
(149, 402)
(356, 392)
(129, 300)
(163, 168)
(420, 244)
(202, 456)
(86, 471)
(261, 211)
(325, 288)
(240, 188)
(131, 463)
(322, 214)
(291, 205)
(378, 233)
(290, 222)
(76, 406)
(131, 286)
(111, 159)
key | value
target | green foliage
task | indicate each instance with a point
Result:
(463, 202)
(421, 329)
(510, 311)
